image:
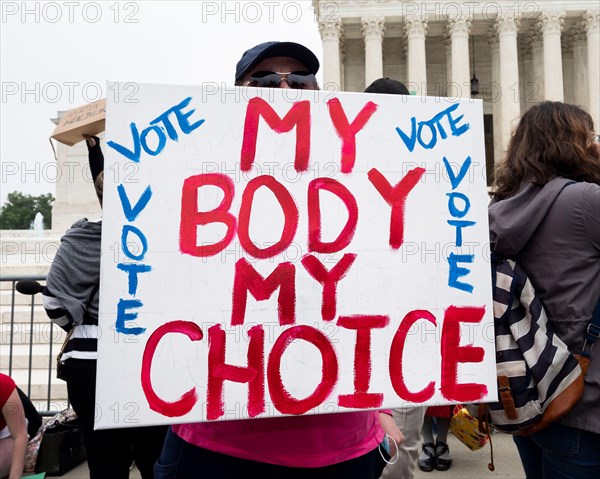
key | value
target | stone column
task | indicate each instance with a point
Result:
(373, 28)
(592, 24)
(567, 57)
(523, 49)
(551, 24)
(448, 49)
(529, 87)
(537, 54)
(330, 35)
(404, 63)
(495, 94)
(580, 66)
(458, 30)
(507, 26)
(416, 30)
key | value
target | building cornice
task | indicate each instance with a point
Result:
(330, 10)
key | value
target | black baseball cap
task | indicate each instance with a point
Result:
(258, 53)
(387, 85)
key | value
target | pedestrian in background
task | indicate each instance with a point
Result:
(70, 298)
(545, 214)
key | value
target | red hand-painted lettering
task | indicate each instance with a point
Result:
(396, 358)
(191, 217)
(396, 198)
(453, 353)
(186, 402)
(219, 372)
(282, 399)
(248, 279)
(362, 360)
(314, 216)
(329, 280)
(298, 116)
(347, 131)
(289, 208)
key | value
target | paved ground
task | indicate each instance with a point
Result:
(466, 464)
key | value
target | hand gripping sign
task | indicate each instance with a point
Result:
(264, 255)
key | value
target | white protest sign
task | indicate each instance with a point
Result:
(273, 252)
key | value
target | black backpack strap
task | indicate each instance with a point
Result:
(592, 332)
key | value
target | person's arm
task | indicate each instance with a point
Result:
(390, 428)
(95, 155)
(15, 420)
(57, 314)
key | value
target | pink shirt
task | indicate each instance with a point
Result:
(293, 441)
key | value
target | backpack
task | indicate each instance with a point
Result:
(539, 380)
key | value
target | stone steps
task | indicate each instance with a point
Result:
(23, 269)
(22, 314)
(42, 356)
(41, 333)
(6, 297)
(39, 384)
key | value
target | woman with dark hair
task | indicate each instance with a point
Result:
(545, 214)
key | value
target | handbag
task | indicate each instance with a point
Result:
(465, 427)
(62, 445)
(539, 379)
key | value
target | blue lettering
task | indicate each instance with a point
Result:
(454, 211)
(123, 316)
(182, 118)
(459, 225)
(131, 155)
(140, 141)
(164, 118)
(409, 141)
(132, 213)
(456, 130)
(162, 140)
(132, 271)
(125, 247)
(435, 126)
(455, 180)
(457, 272)
(433, 140)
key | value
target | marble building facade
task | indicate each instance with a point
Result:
(520, 52)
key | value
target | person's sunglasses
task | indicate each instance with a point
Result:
(297, 80)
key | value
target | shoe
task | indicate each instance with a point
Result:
(427, 458)
(442, 464)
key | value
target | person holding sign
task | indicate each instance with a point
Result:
(71, 299)
(545, 213)
(317, 446)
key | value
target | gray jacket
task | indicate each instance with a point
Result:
(555, 236)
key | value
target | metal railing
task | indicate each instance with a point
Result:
(45, 407)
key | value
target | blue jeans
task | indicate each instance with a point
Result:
(182, 460)
(560, 452)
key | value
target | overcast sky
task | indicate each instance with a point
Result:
(58, 55)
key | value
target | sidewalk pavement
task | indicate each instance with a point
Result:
(466, 464)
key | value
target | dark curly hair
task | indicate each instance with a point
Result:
(552, 139)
